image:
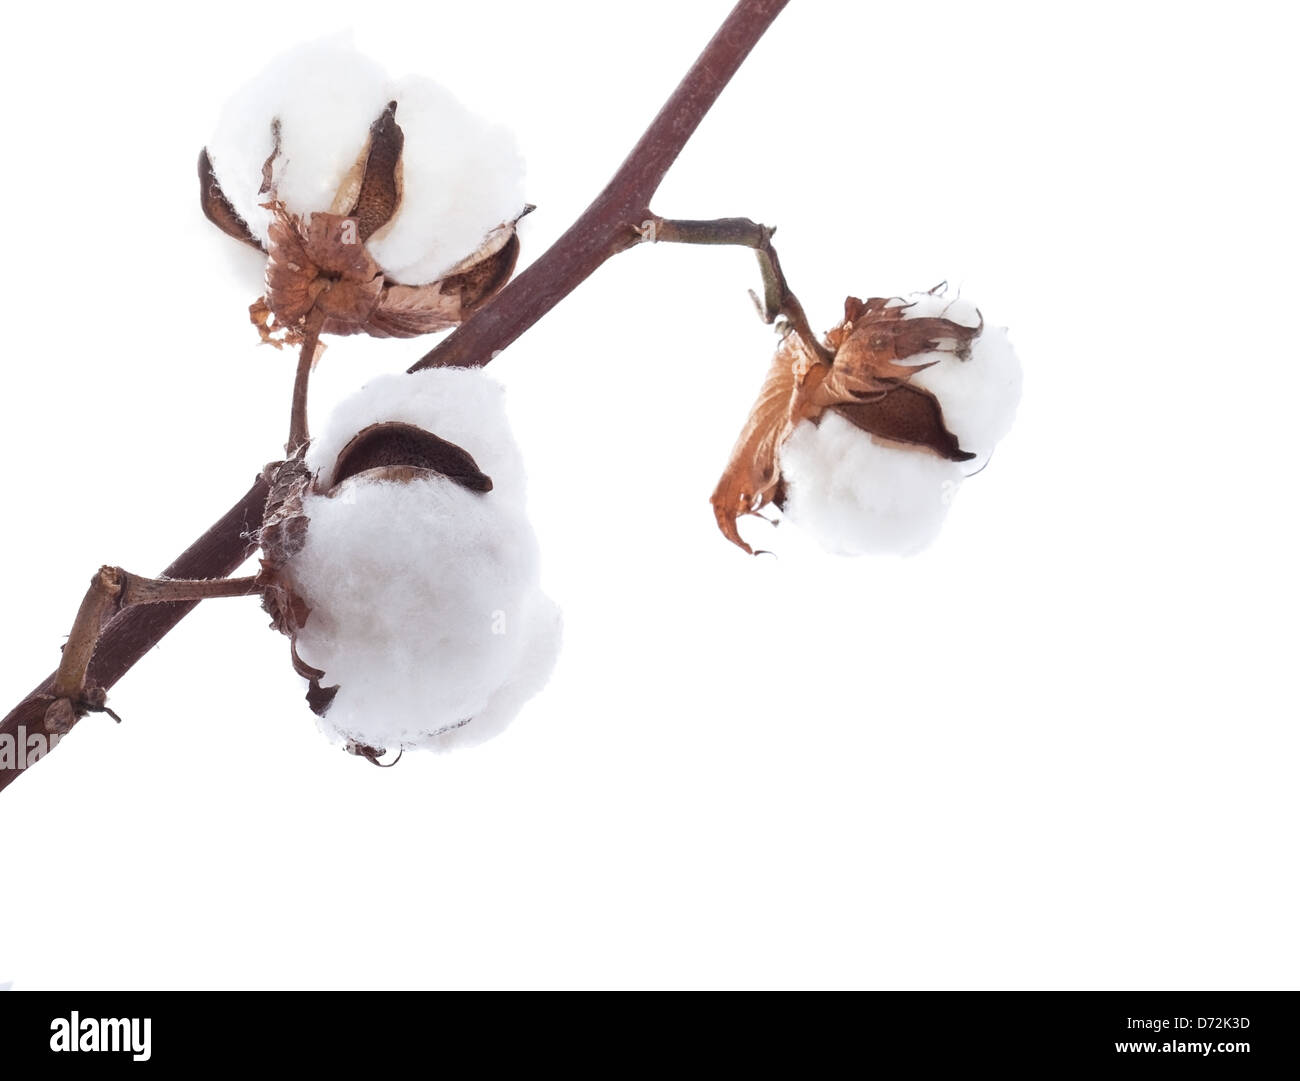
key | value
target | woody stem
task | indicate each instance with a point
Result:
(778, 298)
(299, 435)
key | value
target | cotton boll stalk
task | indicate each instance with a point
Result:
(385, 204)
(425, 608)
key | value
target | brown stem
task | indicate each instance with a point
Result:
(778, 298)
(299, 435)
(606, 227)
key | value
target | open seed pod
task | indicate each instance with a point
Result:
(386, 206)
(867, 449)
(404, 569)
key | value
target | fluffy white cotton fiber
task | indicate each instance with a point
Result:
(858, 495)
(461, 177)
(325, 95)
(426, 607)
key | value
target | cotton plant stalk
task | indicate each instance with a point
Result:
(365, 230)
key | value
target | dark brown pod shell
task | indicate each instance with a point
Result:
(217, 208)
(396, 451)
(907, 414)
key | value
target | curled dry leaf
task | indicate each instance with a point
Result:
(321, 261)
(867, 382)
(387, 453)
(752, 475)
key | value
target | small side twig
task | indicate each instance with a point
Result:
(778, 298)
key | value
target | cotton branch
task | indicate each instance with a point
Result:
(607, 227)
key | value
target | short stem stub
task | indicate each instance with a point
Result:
(101, 601)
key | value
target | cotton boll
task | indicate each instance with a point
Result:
(426, 609)
(325, 95)
(461, 178)
(859, 497)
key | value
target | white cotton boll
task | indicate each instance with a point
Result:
(859, 497)
(461, 178)
(326, 95)
(980, 394)
(426, 609)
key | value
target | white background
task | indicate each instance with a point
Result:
(1058, 749)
